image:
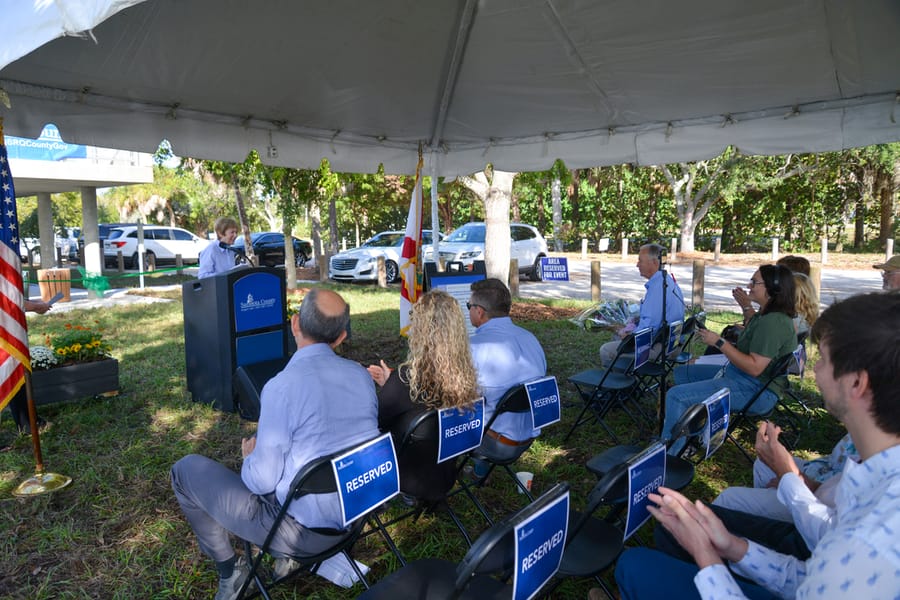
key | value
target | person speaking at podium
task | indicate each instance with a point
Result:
(218, 257)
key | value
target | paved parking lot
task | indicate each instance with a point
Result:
(618, 280)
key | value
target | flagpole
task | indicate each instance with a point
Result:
(40, 482)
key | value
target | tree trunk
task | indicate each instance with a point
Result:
(575, 195)
(332, 225)
(891, 183)
(556, 197)
(867, 189)
(318, 248)
(290, 270)
(514, 209)
(687, 228)
(242, 216)
(496, 218)
(495, 190)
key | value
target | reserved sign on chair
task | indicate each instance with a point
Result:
(646, 472)
(366, 477)
(718, 407)
(540, 542)
(543, 395)
(460, 431)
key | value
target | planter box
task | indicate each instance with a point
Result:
(74, 382)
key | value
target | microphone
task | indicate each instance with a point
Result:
(240, 255)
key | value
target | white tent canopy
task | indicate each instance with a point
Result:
(517, 83)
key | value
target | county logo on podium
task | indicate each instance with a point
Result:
(260, 301)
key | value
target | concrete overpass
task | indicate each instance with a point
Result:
(48, 165)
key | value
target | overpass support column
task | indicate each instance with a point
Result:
(45, 230)
(93, 253)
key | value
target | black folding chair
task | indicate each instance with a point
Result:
(679, 467)
(688, 331)
(515, 400)
(745, 418)
(317, 477)
(491, 554)
(603, 389)
(593, 543)
(420, 440)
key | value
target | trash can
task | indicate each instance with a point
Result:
(54, 281)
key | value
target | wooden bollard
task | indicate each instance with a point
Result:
(698, 283)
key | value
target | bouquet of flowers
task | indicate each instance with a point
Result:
(612, 314)
(77, 344)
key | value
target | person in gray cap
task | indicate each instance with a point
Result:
(890, 272)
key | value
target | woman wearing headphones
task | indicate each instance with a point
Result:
(768, 334)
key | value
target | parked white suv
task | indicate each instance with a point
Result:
(466, 245)
(361, 264)
(164, 243)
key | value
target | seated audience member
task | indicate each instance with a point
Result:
(320, 403)
(807, 303)
(651, 314)
(797, 264)
(768, 498)
(217, 257)
(807, 298)
(791, 515)
(858, 375)
(890, 272)
(768, 335)
(438, 373)
(504, 355)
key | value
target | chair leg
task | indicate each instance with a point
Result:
(579, 421)
(254, 576)
(477, 503)
(734, 441)
(455, 518)
(358, 571)
(387, 538)
(603, 587)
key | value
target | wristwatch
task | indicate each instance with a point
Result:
(720, 342)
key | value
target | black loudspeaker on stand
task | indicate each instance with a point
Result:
(248, 383)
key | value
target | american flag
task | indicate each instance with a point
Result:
(14, 357)
(410, 288)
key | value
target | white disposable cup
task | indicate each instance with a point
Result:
(524, 478)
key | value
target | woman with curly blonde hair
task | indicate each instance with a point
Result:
(806, 303)
(438, 373)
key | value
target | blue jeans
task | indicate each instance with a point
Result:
(644, 573)
(695, 383)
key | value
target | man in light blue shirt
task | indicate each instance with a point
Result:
(504, 355)
(320, 403)
(858, 374)
(652, 305)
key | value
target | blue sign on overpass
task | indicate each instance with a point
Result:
(49, 146)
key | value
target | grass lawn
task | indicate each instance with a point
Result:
(117, 532)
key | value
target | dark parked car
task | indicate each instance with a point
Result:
(269, 248)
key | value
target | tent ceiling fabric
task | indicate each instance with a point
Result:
(517, 83)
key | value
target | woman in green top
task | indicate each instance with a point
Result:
(769, 334)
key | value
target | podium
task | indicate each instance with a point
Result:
(231, 320)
